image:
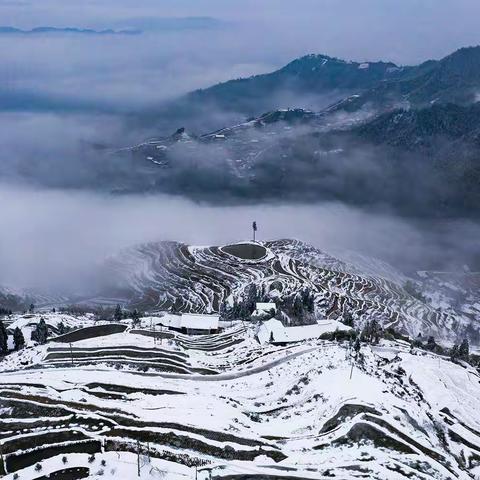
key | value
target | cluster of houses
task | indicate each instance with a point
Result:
(269, 331)
(204, 323)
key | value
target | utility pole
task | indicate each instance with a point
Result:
(254, 228)
(138, 457)
(71, 352)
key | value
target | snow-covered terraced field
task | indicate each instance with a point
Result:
(238, 408)
(199, 279)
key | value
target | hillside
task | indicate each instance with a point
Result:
(172, 276)
(317, 81)
(312, 81)
(372, 135)
(418, 162)
(159, 276)
(225, 403)
(240, 403)
(453, 79)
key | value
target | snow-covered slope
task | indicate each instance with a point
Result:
(200, 279)
(240, 409)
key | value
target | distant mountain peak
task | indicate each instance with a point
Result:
(465, 62)
(315, 60)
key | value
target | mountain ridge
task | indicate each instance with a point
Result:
(380, 83)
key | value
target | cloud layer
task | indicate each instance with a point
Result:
(55, 239)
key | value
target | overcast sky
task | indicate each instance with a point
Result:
(241, 37)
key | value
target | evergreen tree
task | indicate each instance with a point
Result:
(40, 333)
(31, 308)
(371, 332)
(135, 317)
(464, 350)
(454, 352)
(18, 339)
(376, 331)
(118, 315)
(61, 328)
(308, 300)
(348, 319)
(222, 311)
(3, 339)
(251, 300)
(298, 308)
(431, 344)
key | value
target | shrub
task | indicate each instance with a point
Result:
(64, 459)
(38, 467)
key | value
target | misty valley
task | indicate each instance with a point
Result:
(224, 257)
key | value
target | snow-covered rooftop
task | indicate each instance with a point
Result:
(199, 321)
(265, 306)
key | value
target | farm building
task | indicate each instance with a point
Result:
(198, 323)
(190, 323)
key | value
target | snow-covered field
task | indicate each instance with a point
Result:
(228, 405)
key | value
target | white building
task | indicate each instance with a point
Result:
(199, 323)
(192, 323)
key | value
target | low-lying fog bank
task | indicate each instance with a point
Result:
(53, 237)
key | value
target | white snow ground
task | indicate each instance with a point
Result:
(240, 408)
